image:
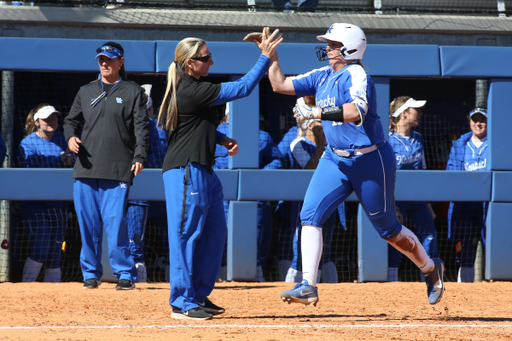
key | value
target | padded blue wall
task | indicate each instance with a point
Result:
(383, 62)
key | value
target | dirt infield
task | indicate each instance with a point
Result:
(346, 311)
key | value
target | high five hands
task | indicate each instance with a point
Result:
(265, 41)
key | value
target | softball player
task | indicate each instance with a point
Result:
(466, 220)
(193, 192)
(357, 159)
(112, 150)
(408, 146)
(44, 221)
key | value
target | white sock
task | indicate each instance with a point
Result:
(52, 275)
(392, 274)
(293, 276)
(329, 274)
(466, 275)
(282, 269)
(142, 274)
(312, 246)
(31, 270)
(407, 243)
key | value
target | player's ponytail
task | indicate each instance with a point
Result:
(186, 49)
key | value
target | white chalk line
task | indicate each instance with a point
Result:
(272, 326)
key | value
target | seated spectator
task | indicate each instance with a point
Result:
(44, 222)
(466, 220)
(302, 6)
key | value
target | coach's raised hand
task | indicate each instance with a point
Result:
(269, 42)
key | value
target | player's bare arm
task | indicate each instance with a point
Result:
(279, 82)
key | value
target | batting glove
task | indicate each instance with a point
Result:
(303, 112)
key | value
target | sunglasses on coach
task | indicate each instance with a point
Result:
(204, 59)
(109, 49)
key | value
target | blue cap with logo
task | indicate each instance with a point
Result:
(478, 111)
(109, 51)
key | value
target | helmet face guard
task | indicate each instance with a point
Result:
(321, 53)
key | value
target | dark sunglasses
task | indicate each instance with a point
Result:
(109, 49)
(204, 59)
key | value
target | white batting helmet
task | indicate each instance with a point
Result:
(351, 36)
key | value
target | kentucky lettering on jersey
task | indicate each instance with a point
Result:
(409, 151)
(476, 165)
(327, 102)
(475, 158)
(403, 159)
(349, 85)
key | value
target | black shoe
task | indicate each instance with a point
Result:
(211, 308)
(92, 283)
(193, 314)
(125, 284)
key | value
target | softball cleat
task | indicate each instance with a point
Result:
(435, 282)
(301, 293)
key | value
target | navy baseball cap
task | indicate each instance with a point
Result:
(109, 51)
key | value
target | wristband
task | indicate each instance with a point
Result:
(333, 114)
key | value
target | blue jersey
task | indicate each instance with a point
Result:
(157, 145)
(349, 85)
(475, 158)
(464, 155)
(36, 152)
(269, 155)
(302, 149)
(284, 145)
(408, 150)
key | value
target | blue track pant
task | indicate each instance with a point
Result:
(197, 233)
(45, 228)
(371, 176)
(467, 227)
(101, 204)
(136, 219)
